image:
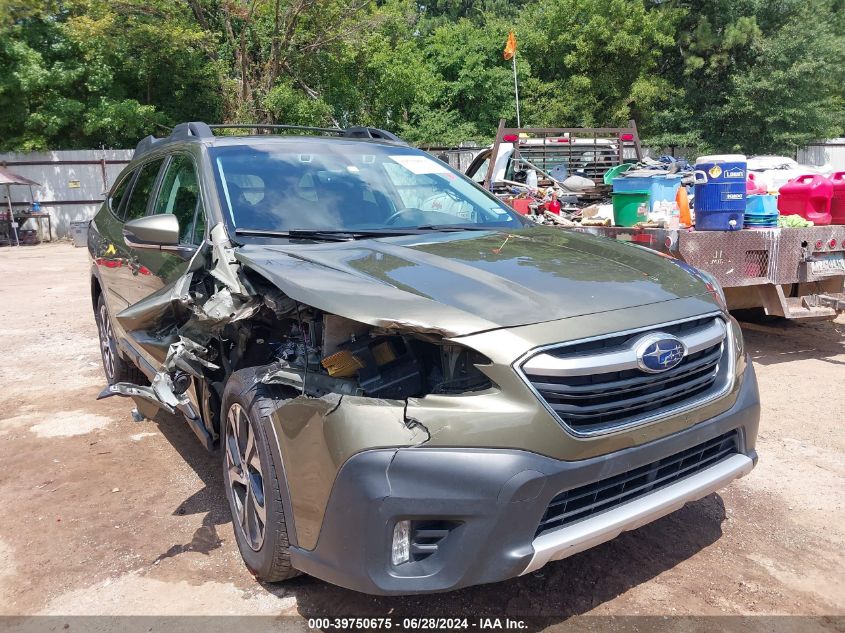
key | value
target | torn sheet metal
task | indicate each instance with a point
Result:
(317, 435)
(308, 383)
(188, 356)
(177, 319)
(225, 266)
(224, 307)
(159, 307)
(160, 392)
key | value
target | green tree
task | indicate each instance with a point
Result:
(595, 62)
(755, 76)
(92, 73)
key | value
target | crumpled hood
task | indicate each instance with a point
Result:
(464, 282)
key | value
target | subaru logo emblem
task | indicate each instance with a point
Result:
(659, 352)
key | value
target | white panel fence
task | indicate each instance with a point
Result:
(72, 183)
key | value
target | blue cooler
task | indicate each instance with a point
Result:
(720, 192)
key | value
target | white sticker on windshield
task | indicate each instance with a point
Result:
(420, 164)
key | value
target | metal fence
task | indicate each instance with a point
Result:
(823, 153)
(457, 157)
(72, 183)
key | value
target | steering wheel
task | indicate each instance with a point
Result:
(392, 219)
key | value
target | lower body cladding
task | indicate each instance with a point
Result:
(425, 519)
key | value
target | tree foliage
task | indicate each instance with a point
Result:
(748, 75)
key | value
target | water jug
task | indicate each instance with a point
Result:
(808, 196)
(720, 183)
(837, 203)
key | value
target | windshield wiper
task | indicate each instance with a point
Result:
(328, 236)
(324, 235)
(454, 227)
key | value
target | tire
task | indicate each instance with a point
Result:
(116, 368)
(246, 406)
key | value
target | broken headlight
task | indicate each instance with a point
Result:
(397, 366)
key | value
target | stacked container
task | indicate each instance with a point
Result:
(761, 211)
(808, 196)
(720, 183)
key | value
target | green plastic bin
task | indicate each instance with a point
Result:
(612, 173)
(625, 205)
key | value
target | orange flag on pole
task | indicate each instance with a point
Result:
(510, 47)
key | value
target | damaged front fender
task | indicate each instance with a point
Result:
(316, 436)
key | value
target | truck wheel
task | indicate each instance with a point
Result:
(116, 368)
(251, 477)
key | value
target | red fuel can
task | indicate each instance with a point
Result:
(837, 203)
(808, 196)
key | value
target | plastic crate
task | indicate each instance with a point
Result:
(660, 188)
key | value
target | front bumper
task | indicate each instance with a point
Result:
(494, 499)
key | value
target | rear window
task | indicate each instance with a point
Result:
(119, 193)
(141, 192)
(566, 159)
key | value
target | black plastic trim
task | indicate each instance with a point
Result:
(498, 497)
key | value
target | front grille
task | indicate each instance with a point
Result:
(580, 503)
(601, 397)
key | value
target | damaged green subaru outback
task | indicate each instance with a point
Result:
(412, 389)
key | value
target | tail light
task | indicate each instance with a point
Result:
(626, 137)
(643, 238)
(510, 138)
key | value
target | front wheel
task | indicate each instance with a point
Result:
(251, 477)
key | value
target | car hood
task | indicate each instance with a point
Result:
(460, 283)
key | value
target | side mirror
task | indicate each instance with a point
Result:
(152, 232)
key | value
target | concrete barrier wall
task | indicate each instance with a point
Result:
(72, 183)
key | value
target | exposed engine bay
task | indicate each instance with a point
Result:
(221, 317)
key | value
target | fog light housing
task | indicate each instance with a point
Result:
(400, 551)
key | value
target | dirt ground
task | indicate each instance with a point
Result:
(103, 515)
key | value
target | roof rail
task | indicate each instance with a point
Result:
(179, 131)
(194, 128)
(198, 129)
(350, 132)
(271, 126)
(371, 132)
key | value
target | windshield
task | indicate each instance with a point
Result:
(348, 186)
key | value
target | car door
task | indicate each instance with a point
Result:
(177, 193)
(477, 170)
(132, 278)
(109, 250)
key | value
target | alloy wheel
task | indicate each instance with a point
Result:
(106, 342)
(245, 476)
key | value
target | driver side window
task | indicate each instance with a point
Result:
(179, 195)
(481, 171)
